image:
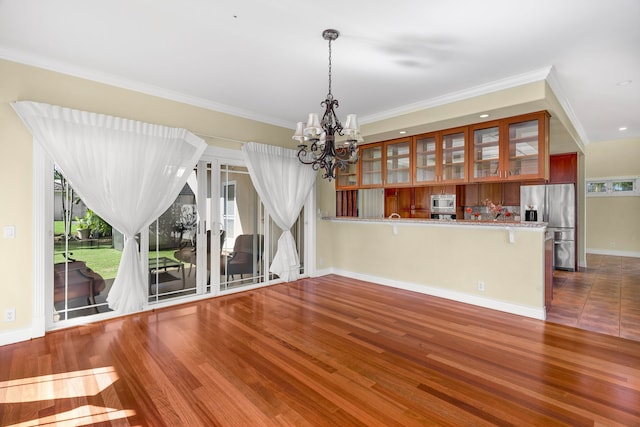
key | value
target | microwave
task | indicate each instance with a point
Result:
(443, 203)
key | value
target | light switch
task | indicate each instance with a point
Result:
(9, 232)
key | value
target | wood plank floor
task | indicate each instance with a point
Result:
(604, 297)
(329, 351)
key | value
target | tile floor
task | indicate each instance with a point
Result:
(604, 297)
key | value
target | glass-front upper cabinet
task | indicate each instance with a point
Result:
(527, 146)
(441, 156)
(453, 156)
(426, 160)
(347, 178)
(511, 149)
(371, 165)
(398, 161)
(485, 153)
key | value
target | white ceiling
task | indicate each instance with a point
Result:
(266, 59)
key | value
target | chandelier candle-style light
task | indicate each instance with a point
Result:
(321, 134)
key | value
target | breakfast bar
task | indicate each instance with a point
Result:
(504, 265)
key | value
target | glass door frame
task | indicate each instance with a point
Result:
(42, 229)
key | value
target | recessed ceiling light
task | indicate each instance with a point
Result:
(624, 83)
(402, 132)
(622, 128)
(484, 116)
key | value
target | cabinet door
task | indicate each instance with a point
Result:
(563, 168)
(485, 154)
(511, 194)
(422, 198)
(526, 147)
(347, 178)
(426, 161)
(398, 200)
(471, 195)
(371, 165)
(398, 162)
(390, 201)
(452, 157)
(490, 191)
(405, 202)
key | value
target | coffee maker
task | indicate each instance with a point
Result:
(531, 213)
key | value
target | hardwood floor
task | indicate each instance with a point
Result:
(603, 298)
(319, 352)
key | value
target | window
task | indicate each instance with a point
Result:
(612, 187)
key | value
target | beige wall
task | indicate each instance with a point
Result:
(445, 260)
(613, 223)
(20, 82)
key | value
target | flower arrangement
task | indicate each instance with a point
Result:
(470, 211)
(495, 209)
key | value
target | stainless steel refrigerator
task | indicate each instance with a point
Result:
(554, 204)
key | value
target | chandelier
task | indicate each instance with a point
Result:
(317, 138)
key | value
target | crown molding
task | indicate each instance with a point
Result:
(472, 92)
(556, 88)
(136, 86)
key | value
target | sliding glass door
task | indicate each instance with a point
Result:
(85, 255)
(215, 238)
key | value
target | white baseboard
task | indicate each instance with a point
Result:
(532, 312)
(322, 272)
(631, 254)
(17, 335)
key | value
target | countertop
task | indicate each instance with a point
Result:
(444, 222)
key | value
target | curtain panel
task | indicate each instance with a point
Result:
(283, 184)
(126, 171)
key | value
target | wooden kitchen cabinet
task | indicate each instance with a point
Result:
(515, 148)
(511, 193)
(471, 195)
(398, 200)
(440, 157)
(563, 168)
(408, 202)
(422, 199)
(398, 162)
(386, 163)
(348, 178)
(527, 146)
(507, 193)
(485, 152)
(491, 191)
(426, 164)
(443, 189)
(371, 165)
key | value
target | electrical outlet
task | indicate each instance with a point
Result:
(10, 315)
(481, 286)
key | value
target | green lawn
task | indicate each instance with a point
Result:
(58, 228)
(102, 260)
(105, 261)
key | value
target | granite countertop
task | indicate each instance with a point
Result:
(446, 222)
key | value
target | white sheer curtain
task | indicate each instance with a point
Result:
(128, 172)
(283, 184)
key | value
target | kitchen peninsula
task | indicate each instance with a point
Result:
(503, 265)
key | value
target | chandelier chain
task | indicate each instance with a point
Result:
(329, 68)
